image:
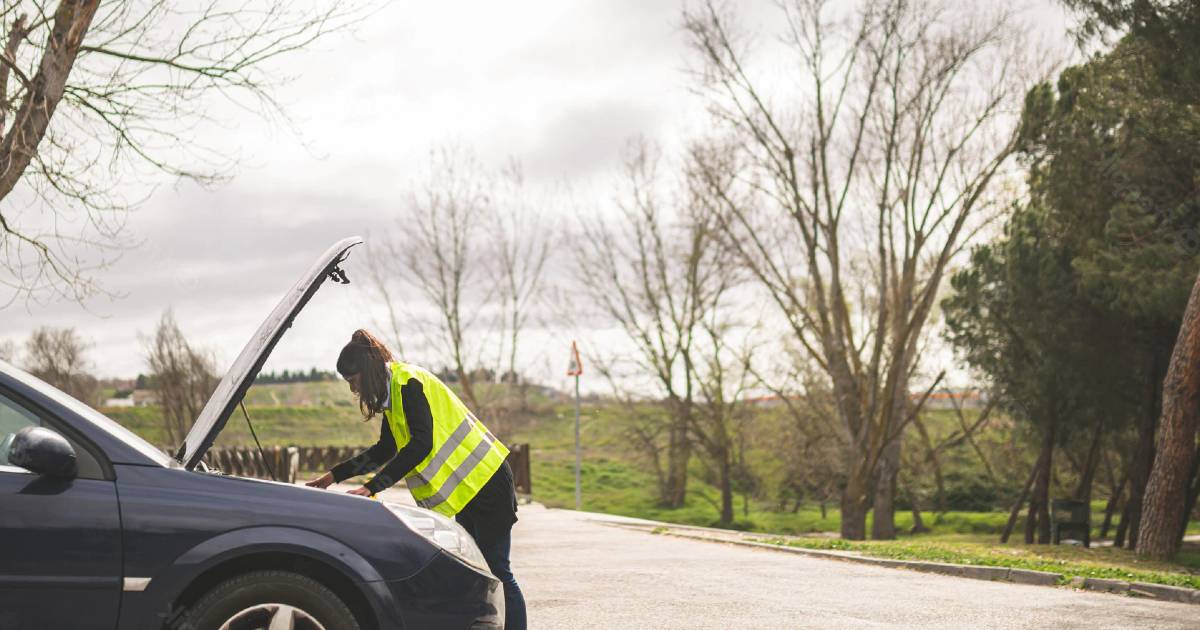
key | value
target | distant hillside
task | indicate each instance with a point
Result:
(317, 413)
(314, 393)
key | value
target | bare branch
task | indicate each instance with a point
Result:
(126, 85)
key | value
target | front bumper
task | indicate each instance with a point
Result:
(449, 594)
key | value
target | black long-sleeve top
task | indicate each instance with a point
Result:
(399, 464)
(492, 511)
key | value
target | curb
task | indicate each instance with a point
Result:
(1162, 592)
(1035, 578)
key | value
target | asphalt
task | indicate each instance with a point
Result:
(579, 572)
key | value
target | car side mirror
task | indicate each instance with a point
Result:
(42, 451)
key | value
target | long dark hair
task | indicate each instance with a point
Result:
(367, 357)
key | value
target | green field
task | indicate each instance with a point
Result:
(614, 482)
(615, 479)
(293, 414)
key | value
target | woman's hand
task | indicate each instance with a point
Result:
(324, 481)
(360, 492)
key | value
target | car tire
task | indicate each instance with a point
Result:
(252, 600)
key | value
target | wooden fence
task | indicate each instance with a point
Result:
(518, 458)
(287, 462)
(244, 461)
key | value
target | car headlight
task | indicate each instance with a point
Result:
(441, 531)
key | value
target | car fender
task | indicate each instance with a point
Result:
(171, 583)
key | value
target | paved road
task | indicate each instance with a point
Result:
(579, 573)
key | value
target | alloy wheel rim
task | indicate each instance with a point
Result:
(272, 617)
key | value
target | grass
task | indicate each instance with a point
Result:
(320, 414)
(310, 394)
(1097, 562)
(616, 480)
(613, 486)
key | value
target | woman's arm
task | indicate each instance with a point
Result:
(420, 443)
(369, 459)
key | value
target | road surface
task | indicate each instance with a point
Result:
(579, 573)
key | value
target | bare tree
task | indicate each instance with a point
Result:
(91, 94)
(381, 271)
(721, 420)
(865, 189)
(468, 254)
(8, 350)
(59, 357)
(182, 376)
(436, 252)
(656, 271)
(521, 237)
(816, 471)
(934, 446)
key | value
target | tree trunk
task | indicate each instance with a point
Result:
(1083, 492)
(464, 381)
(1016, 508)
(935, 461)
(1143, 458)
(939, 481)
(679, 451)
(1123, 526)
(72, 19)
(1113, 501)
(726, 493)
(1193, 494)
(1044, 512)
(854, 506)
(883, 525)
(1039, 502)
(1031, 515)
(1167, 487)
(918, 522)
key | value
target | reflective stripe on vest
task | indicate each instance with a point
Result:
(465, 454)
(459, 473)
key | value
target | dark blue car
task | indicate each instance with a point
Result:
(100, 530)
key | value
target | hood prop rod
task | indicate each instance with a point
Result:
(267, 464)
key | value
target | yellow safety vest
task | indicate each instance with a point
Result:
(465, 454)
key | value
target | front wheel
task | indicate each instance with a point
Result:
(269, 600)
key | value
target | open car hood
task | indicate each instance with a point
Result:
(241, 374)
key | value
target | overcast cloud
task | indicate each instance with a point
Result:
(559, 86)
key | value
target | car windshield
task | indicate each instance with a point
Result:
(91, 415)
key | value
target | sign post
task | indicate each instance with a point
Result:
(575, 368)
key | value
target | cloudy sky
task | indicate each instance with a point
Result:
(559, 86)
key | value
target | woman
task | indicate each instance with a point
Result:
(450, 461)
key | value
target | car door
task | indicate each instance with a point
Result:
(60, 539)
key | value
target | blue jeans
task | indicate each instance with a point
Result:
(495, 552)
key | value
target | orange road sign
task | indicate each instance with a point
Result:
(575, 366)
